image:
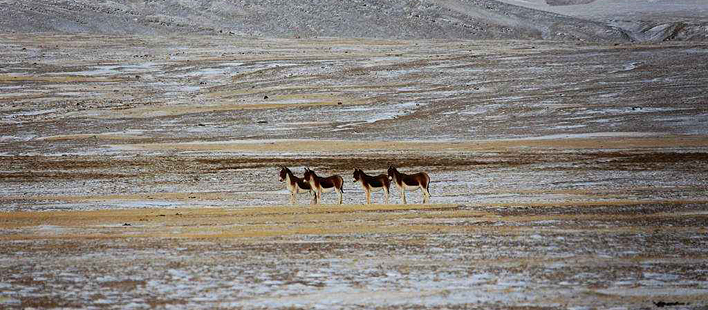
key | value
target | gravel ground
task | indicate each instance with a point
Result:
(140, 172)
(633, 256)
(134, 121)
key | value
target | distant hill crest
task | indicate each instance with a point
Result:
(401, 19)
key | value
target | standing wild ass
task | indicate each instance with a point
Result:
(411, 182)
(372, 184)
(295, 185)
(328, 184)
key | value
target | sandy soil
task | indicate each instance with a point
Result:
(140, 172)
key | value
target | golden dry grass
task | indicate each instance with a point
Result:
(101, 136)
(257, 222)
(6, 78)
(348, 146)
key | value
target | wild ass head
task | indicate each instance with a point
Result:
(358, 175)
(392, 172)
(284, 171)
(309, 175)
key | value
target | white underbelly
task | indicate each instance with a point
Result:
(302, 190)
(410, 187)
(327, 190)
(297, 189)
(375, 189)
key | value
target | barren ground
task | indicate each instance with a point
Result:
(140, 172)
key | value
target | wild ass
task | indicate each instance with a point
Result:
(328, 184)
(296, 185)
(372, 184)
(411, 182)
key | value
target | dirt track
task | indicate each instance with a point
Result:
(563, 174)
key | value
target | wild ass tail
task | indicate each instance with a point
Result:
(341, 184)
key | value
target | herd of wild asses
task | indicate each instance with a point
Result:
(316, 185)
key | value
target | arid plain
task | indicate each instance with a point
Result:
(141, 172)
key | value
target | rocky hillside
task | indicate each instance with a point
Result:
(641, 20)
(402, 19)
(399, 19)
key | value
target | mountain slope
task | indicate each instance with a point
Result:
(463, 19)
(642, 20)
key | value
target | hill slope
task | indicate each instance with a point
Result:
(642, 20)
(442, 19)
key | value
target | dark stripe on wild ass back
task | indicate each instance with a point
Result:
(327, 184)
(372, 183)
(413, 182)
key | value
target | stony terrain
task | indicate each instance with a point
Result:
(637, 10)
(140, 172)
(139, 143)
(573, 20)
(469, 19)
(519, 256)
(152, 116)
(640, 20)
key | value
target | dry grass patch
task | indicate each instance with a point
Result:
(348, 146)
(253, 222)
(100, 136)
(6, 78)
(261, 222)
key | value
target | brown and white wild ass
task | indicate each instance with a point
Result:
(372, 184)
(323, 185)
(296, 185)
(410, 182)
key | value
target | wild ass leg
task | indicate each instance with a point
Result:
(314, 198)
(426, 191)
(426, 195)
(368, 196)
(341, 198)
(386, 194)
(403, 194)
